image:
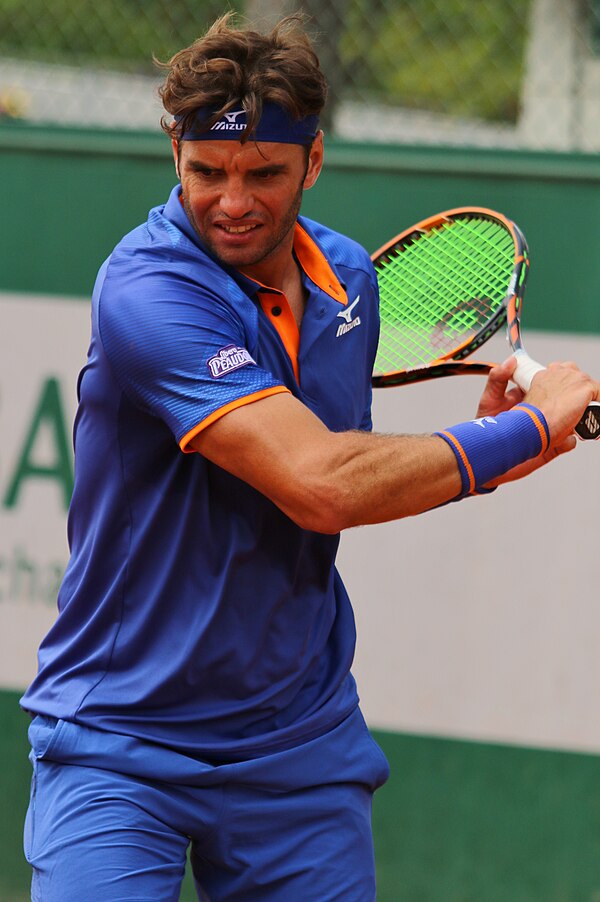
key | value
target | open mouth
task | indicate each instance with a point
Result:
(235, 230)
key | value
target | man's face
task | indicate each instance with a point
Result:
(243, 199)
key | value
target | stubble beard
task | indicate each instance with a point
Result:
(259, 255)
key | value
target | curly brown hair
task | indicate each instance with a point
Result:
(229, 67)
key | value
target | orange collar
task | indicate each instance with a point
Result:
(315, 265)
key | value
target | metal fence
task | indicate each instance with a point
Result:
(491, 73)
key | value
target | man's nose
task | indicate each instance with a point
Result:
(236, 200)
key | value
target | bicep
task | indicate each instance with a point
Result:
(278, 446)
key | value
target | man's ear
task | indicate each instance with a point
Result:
(315, 161)
(175, 146)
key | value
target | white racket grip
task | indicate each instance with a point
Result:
(525, 370)
(588, 427)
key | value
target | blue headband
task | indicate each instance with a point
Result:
(275, 126)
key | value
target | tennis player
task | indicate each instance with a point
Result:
(195, 690)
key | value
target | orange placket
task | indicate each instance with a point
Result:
(275, 304)
(276, 308)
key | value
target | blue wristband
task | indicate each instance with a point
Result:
(491, 446)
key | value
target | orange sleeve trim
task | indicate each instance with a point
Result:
(539, 426)
(217, 414)
(456, 444)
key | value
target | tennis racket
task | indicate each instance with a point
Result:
(446, 286)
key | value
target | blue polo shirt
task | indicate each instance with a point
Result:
(193, 612)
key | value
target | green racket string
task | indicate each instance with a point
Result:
(438, 291)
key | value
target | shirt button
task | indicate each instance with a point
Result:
(276, 311)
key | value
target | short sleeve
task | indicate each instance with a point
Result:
(180, 350)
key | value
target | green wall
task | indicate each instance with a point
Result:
(68, 196)
(458, 821)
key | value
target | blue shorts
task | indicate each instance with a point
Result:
(111, 819)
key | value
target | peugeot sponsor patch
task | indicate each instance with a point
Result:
(228, 359)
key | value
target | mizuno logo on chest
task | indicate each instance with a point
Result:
(346, 314)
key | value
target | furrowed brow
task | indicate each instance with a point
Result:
(197, 166)
(270, 169)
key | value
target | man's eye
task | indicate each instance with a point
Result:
(205, 173)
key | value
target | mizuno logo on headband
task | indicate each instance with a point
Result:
(229, 123)
(275, 126)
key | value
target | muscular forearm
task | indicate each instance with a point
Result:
(373, 478)
(328, 481)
